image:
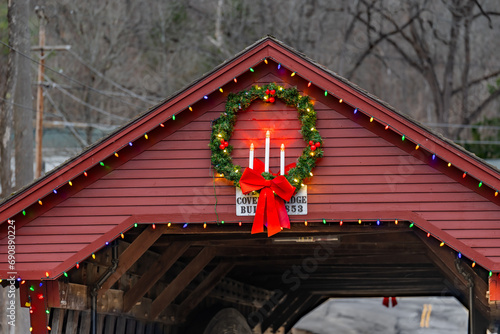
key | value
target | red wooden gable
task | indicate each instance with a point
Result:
(162, 171)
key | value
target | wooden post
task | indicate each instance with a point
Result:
(39, 93)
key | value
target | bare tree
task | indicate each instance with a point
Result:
(435, 40)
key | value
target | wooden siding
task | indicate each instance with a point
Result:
(362, 176)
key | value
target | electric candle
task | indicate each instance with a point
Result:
(250, 162)
(268, 143)
(282, 160)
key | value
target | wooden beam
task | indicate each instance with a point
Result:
(444, 258)
(305, 308)
(280, 318)
(162, 265)
(279, 309)
(181, 281)
(202, 290)
(133, 252)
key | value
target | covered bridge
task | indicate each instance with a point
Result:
(140, 233)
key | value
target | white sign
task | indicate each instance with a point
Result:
(246, 205)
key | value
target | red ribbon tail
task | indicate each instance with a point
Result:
(273, 222)
(394, 301)
(258, 221)
(385, 302)
(282, 214)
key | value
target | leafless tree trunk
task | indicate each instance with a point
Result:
(23, 99)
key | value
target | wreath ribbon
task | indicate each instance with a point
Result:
(271, 209)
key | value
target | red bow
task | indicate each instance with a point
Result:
(385, 301)
(270, 208)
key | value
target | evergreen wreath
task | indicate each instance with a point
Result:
(222, 130)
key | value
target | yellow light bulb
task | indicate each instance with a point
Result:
(205, 225)
(340, 101)
(359, 221)
(371, 119)
(265, 61)
(116, 155)
(70, 183)
(221, 90)
(146, 136)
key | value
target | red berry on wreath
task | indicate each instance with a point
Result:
(226, 144)
(221, 146)
(313, 148)
(311, 143)
(222, 141)
(271, 99)
(318, 144)
(267, 91)
(273, 92)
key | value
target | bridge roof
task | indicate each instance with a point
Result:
(156, 169)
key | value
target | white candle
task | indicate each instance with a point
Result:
(268, 143)
(282, 160)
(250, 162)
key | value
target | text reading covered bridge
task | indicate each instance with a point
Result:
(145, 232)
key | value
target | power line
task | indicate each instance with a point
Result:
(117, 85)
(68, 77)
(466, 126)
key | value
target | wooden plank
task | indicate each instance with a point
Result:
(163, 264)
(131, 323)
(130, 255)
(181, 281)
(100, 322)
(85, 323)
(278, 319)
(285, 303)
(204, 289)
(140, 328)
(121, 324)
(305, 308)
(58, 321)
(72, 322)
(109, 324)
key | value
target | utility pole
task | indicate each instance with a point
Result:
(39, 93)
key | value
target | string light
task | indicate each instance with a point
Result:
(378, 222)
(40, 201)
(77, 265)
(326, 93)
(359, 221)
(146, 136)
(464, 175)
(305, 222)
(102, 163)
(433, 157)
(162, 125)
(324, 221)
(185, 225)
(396, 222)
(252, 70)
(191, 108)
(154, 226)
(371, 119)
(411, 225)
(428, 234)
(449, 164)
(279, 66)
(122, 235)
(85, 173)
(355, 111)
(417, 147)
(116, 155)
(54, 191)
(480, 184)
(173, 117)
(293, 74)
(473, 264)
(235, 80)
(265, 61)
(221, 90)
(341, 100)
(441, 244)
(403, 138)
(93, 256)
(309, 84)
(205, 97)
(70, 183)
(496, 193)
(204, 225)
(130, 143)
(169, 224)
(459, 255)
(387, 127)
(239, 223)
(341, 223)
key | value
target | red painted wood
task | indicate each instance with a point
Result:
(367, 172)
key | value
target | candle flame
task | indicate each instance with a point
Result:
(268, 134)
(282, 147)
(251, 147)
